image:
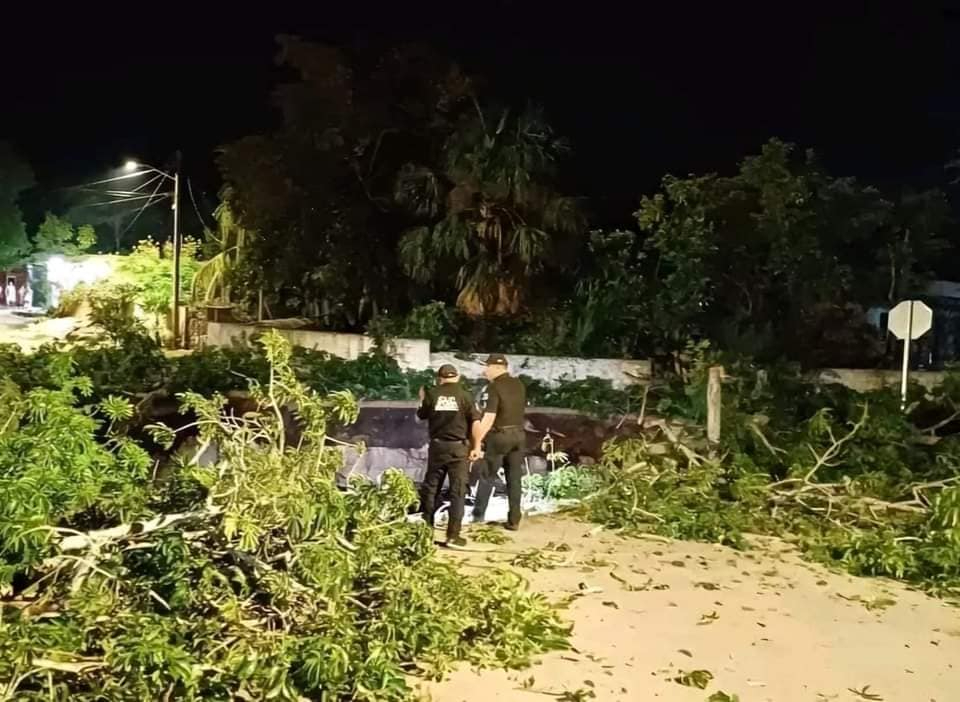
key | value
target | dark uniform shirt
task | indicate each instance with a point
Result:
(450, 410)
(506, 398)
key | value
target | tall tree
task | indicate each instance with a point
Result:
(315, 195)
(776, 259)
(16, 176)
(490, 217)
(58, 235)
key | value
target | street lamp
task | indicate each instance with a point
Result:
(133, 168)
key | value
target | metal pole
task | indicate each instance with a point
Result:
(176, 260)
(906, 360)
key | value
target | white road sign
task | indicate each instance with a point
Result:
(911, 318)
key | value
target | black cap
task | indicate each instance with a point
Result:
(496, 359)
(447, 371)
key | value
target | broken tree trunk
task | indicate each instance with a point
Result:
(714, 404)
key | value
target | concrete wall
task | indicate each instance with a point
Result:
(868, 380)
(411, 354)
(414, 354)
(553, 369)
(394, 437)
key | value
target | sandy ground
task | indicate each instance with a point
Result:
(768, 626)
(32, 332)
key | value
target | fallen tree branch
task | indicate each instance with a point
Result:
(80, 541)
(835, 447)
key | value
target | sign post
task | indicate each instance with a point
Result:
(909, 320)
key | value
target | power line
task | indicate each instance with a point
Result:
(140, 211)
(195, 208)
(81, 186)
(125, 199)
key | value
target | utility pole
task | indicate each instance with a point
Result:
(134, 170)
(175, 341)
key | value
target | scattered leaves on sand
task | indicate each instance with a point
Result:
(487, 534)
(708, 619)
(539, 559)
(579, 695)
(694, 678)
(721, 696)
(879, 603)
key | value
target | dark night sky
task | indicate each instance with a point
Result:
(875, 88)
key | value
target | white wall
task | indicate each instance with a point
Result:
(553, 369)
(411, 354)
(868, 380)
(414, 354)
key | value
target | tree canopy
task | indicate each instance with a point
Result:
(759, 259)
(316, 194)
(489, 215)
(58, 235)
(16, 176)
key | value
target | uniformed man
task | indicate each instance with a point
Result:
(502, 429)
(452, 415)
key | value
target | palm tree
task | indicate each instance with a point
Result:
(211, 280)
(488, 213)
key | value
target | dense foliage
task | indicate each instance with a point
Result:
(251, 577)
(16, 176)
(488, 222)
(782, 258)
(435, 193)
(57, 235)
(443, 219)
(847, 477)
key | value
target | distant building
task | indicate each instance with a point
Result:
(19, 276)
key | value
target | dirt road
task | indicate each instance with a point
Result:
(32, 332)
(767, 626)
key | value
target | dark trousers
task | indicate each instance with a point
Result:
(502, 448)
(445, 460)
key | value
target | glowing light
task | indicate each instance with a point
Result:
(131, 166)
(64, 274)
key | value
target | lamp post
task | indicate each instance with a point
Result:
(133, 169)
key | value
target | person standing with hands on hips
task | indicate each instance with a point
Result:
(502, 428)
(453, 417)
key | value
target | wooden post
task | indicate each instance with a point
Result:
(714, 404)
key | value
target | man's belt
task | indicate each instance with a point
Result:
(448, 441)
(509, 426)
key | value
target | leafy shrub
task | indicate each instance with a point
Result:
(567, 482)
(207, 371)
(55, 474)
(70, 301)
(149, 270)
(112, 309)
(434, 321)
(594, 396)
